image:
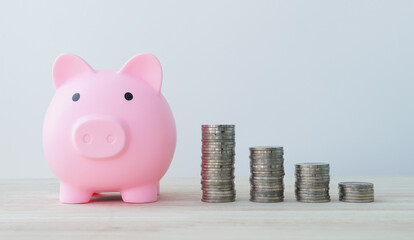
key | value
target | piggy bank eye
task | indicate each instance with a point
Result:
(128, 96)
(75, 97)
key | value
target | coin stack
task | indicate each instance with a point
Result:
(356, 192)
(217, 167)
(267, 172)
(312, 182)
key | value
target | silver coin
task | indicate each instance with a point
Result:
(217, 175)
(266, 148)
(311, 172)
(319, 188)
(227, 134)
(229, 169)
(218, 201)
(224, 164)
(357, 201)
(262, 183)
(219, 192)
(220, 143)
(217, 138)
(218, 130)
(357, 192)
(267, 153)
(267, 161)
(346, 189)
(313, 198)
(273, 187)
(208, 138)
(267, 193)
(219, 170)
(218, 197)
(217, 162)
(267, 188)
(268, 174)
(218, 149)
(266, 200)
(312, 179)
(312, 195)
(281, 197)
(270, 167)
(218, 186)
(258, 175)
(218, 125)
(267, 184)
(300, 182)
(356, 184)
(256, 180)
(206, 182)
(214, 167)
(258, 196)
(313, 201)
(312, 164)
(265, 156)
(266, 177)
(218, 156)
(357, 196)
(262, 167)
(311, 175)
(320, 180)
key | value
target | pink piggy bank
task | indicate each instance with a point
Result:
(109, 131)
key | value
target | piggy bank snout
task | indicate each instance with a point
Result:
(98, 137)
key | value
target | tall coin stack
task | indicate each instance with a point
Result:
(312, 182)
(356, 192)
(217, 167)
(267, 172)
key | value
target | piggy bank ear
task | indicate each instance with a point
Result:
(147, 67)
(67, 66)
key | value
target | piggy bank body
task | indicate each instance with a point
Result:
(108, 130)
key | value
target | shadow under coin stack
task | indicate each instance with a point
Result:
(267, 172)
(356, 192)
(217, 167)
(312, 182)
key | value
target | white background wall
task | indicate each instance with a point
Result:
(329, 80)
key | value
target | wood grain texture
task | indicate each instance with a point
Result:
(29, 209)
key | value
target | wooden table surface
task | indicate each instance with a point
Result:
(29, 209)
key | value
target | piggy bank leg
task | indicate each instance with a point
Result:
(158, 188)
(71, 194)
(142, 194)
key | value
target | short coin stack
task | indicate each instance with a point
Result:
(356, 192)
(267, 172)
(217, 167)
(312, 182)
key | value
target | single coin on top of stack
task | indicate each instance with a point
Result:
(217, 167)
(267, 172)
(356, 192)
(312, 182)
